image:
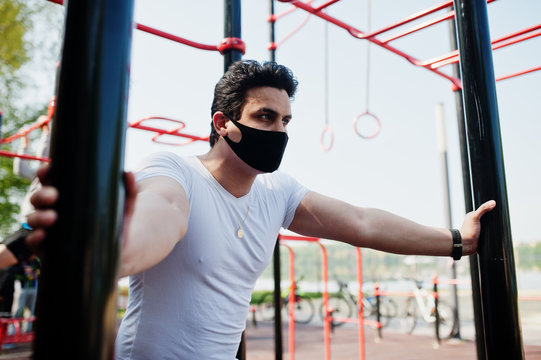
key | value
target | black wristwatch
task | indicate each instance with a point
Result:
(456, 254)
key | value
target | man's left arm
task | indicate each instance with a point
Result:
(324, 217)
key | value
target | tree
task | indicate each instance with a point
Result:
(21, 41)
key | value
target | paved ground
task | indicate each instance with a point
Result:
(309, 345)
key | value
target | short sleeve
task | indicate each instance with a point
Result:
(165, 164)
(295, 193)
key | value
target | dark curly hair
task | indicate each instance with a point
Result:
(243, 75)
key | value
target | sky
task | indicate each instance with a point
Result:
(400, 169)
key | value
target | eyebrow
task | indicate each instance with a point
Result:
(273, 112)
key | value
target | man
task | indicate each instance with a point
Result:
(202, 229)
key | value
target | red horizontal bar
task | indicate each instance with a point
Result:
(412, 18)
(499, 43)
(165, 35)
(421, 26)
(175, 38)
(297, 238)
(22, 156)
(505, 77)
(360, 35)
(323, 6)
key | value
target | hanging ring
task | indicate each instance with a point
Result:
(327, 130)
(366, 115)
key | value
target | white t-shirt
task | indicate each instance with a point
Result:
(194, 303)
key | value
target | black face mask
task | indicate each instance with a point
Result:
(263, 150)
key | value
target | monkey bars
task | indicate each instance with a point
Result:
(432, 65)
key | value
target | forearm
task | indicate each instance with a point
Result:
(6, 257)
(155, 228)
(381, 230)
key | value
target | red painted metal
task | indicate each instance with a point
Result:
(370, 37)
(22, 156)
(7, 337)
(232, 43)
(291, 304)
(175, 38)
(174, 132)
(327, 130)
(327, 4)
(360, 322)
(537, 68)
(366, 114)
(499, 43)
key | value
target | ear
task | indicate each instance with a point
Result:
(219, 120)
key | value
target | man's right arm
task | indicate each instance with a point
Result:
(159, 220)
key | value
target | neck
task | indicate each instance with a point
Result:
(230, 171)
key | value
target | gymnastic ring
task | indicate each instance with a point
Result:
(327, 130)
(367, 114)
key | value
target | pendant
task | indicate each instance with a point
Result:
(240, 233)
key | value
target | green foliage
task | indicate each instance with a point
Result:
(22, 43)
(529, 256)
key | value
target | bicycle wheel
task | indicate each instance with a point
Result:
(304, 309)
(266, 307)
(409, 317)
(447, 319)
(339, 308)
(386, 310)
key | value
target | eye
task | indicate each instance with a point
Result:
(285, 121)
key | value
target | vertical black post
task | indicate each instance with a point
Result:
(232, 29)
(502, 330)
(76, 310)
(232, 26)
(468, 205)
(278, 341)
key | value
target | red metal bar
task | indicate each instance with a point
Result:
(370, 37)
(360, 307)
(292, 298)
(504, 41)
(412, 17)
(18, 336)
(327, 322)
(273, 18)
(327, 4)
(160, 132)
(175, 38)
(22, 156)
(295, 30)
(423, 25)
(537, 68)
(297, 237)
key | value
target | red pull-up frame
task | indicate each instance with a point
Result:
(226, 44)
(433, 64)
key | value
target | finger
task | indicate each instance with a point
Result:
(42, 174)
(44, 197)
(484, 208)
(34, 240)
(131, 192)
(42, 218)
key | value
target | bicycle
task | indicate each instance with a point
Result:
(304, 307)
(343, 302)
(422, 306)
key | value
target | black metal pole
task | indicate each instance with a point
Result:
(502, 330)
(278, 340)
(77, 290)
(468, 204)
(232, 29)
